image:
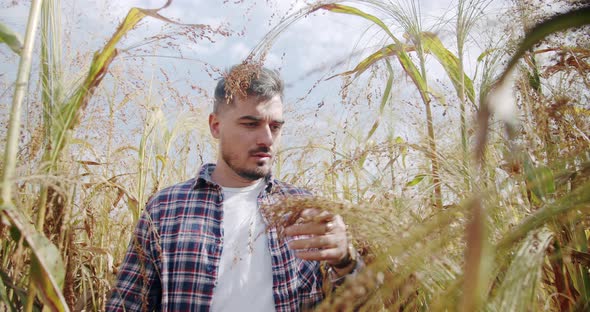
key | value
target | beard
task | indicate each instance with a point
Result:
(261, 170)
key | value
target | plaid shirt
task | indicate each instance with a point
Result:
(173, 258)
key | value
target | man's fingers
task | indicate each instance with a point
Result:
(321, 238)
(323, 242)
(319, 255)
(306, 229)
(316, 215)
(326, 224)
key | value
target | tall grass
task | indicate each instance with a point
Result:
(71, 247)
(504, 228)
(486, 241)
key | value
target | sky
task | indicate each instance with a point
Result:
(306, 53)
(311, 43)
(309, 46)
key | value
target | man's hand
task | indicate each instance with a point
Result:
(319, 236)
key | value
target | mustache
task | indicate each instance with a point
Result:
(262, 149)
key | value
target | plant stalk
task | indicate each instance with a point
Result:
(463, 122)
(431, 137)
(22, 82)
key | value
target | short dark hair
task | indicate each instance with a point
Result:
(247, 80)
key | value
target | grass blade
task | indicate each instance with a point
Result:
(450, 63)
(539, 180)
(67, 116)
(417, 179)
(517, 291)
(383, 53)
(404, 59)
(4, 288)
(21, 84)
(384, 101)
(339, 8)
(11, 39)
(47, 268)
(577, 199)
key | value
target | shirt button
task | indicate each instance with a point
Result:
(209, 268)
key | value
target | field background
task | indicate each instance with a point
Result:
(452, 136)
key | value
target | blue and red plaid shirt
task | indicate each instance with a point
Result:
(173, 257)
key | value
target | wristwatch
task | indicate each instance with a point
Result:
(351, 258)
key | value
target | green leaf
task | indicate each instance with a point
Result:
(438, 97)
(403, 149)
(397, 49)
(577, 199)
(68, 113)
(98, 68)
(384, 100)
(133, 206)
(417, 179)
(11, 38)
(450, 63)
(44, 281)
(517, 291)
(539, 180)
(412, 71)
(484, 54)
(361, 67)
(47, 268)
(339, 8)
(162, 159)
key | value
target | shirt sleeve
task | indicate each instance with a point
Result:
(138, 285)
(311, 292)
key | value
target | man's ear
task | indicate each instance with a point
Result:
(214, 125)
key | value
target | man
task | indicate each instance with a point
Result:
(204, 244)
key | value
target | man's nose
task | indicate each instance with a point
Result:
(265, 137)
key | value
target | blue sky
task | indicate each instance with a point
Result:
(305, 52)
(314, 43)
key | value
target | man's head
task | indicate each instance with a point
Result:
(247, 119)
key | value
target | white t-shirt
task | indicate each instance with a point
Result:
(244, 277)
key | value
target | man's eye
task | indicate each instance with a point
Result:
(250, 124)
(275, 127)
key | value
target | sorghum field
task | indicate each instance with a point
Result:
(460, 160)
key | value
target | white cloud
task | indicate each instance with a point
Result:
(239, 51)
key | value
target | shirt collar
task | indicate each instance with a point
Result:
(204, 178)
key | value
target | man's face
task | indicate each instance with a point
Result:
(248, 131)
